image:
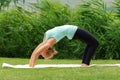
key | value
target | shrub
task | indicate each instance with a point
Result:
(21, 31)
(55, 14)
(93, 16)
(15, 33)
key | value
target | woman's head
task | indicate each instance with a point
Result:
(49, 53)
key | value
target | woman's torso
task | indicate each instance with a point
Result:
(60, 32)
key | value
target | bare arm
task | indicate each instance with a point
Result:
(37, 53)
(40, 48)
(41, 44)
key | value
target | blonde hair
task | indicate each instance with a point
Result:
(51, 52)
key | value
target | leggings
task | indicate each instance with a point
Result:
(91, 42)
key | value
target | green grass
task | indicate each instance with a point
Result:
(90, 73)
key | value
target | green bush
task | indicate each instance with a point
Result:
(52, 13)
(112, 40)
(55, 14)
(21, 31)
(15, 33)
(93, 16)
(117, 7)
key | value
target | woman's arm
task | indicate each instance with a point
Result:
(40, 49)
(36, 53)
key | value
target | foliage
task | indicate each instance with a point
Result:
(55, 14)
(52, 13)
(117, 6)
(93, 16)
(15, 33)
(21, 31)
(6, 3)
(112, 40)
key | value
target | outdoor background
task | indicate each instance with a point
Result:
(23, 23)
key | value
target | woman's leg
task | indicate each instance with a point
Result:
(89, 52)
(91, 42)
(85, 54)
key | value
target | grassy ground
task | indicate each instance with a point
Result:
(90, 73)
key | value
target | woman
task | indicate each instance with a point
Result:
(54, 35)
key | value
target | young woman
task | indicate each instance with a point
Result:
(54, 35)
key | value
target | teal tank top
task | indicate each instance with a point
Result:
(60, 32)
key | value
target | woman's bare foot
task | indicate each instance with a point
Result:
(85, 65)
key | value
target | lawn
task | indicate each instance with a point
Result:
(84, 73)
